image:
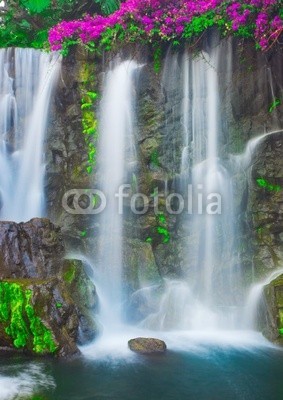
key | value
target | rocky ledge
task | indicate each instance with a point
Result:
(271, 311)
(47, 302)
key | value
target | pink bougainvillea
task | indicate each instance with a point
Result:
(168, 20)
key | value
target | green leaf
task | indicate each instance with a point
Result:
(276, 103)
(86, 105)
(24, 24)
(36, 6)
(92, 95)
(108, 6)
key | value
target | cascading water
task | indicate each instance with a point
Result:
(27, 81)
(205, 299)
(208, 298)
(214, 226)
(253, 299)
(116, 131)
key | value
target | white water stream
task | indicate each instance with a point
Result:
(28, 80)
(116, 130)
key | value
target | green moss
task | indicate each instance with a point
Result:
(280, 318)
(162, 227)
(159, 233)
(276, 103)
(89, 120)
(154, 158)
(83, 233)
(20, 320)
(263, 183)
(157, 60)
(70, 274)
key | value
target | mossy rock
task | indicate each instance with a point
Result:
(271, 311)
(47, 304)
(84, 296)
(21, 327)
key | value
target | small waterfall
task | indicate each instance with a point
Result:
(116, 132)
(27, 80)
(171, 85)
(186, 113)
(243, 161)
(206, 298)
(250, 320)
(213, 271)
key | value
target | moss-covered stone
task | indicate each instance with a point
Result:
(42, 311)
(20, 322)
(271, 311)
(85, 298)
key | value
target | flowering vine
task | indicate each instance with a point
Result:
(167, 20)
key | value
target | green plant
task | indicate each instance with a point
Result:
(157, 60)
(20, 320)
(108, 6)
(199, 24)
(263, 183)
(89, 121)
(162, 227)
(70, 274)
(154, 158)
(25, 23)
(276, 103)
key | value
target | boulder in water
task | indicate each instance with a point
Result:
(147, 345)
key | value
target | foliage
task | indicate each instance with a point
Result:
(70, 274)
(108, 6)
(263, 183)
(157, 66)
(276, 103)
(154, 157)
(161, 233)
(152, 21)
(25, 23)
(20, 320)
(162, 227)
(89, 121)
(36, 6)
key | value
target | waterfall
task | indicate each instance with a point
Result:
(116, 132)
(254, 298)
(27, 80)
(205, 299)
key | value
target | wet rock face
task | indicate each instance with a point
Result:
(147, 345)
(47, 303)
(271, 311)
(265, 204)
(30, 250)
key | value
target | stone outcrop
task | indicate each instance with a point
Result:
(271, 311)
(265, 205)
(47, 303)
(147, 345)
